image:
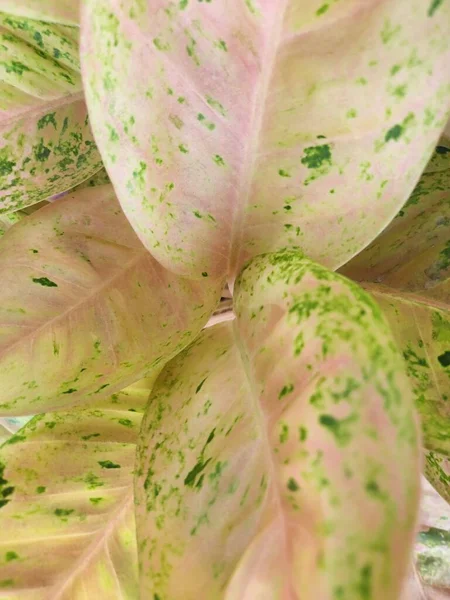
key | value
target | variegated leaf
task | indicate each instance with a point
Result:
(46, 144)
(53, 11)
(407, 268)
(265, 460)
(66, 515)
(84, 308)
(231, 129)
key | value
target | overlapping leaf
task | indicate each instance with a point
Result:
(84, 308)
(46, 144)
(66, 515)
(265, 126)
(53, 11)
(410, 265)
(266, 457)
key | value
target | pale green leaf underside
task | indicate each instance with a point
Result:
(228, 132)
(84, 309)
(410, 265)
(46, 144)
(265, 458)
(66, 515)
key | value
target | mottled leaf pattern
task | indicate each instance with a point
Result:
(231, 129)
(46, 144)
(265, 463)
(84, 308)
(410, 263)
(66, 513)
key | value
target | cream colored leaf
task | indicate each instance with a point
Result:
(84, 308)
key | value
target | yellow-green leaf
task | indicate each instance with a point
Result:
(46, 144)
(66, 503)
(279, 455)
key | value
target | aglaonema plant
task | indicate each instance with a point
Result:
(260, 145)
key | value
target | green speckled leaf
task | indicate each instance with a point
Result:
(66, 507)
(410, 265)
(231, 129)
(46, 144)
(265, 462)
(53, 11)
(84, 308)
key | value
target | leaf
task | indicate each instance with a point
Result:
(410, 265)
(46, 144)
(67, 517)
(228, 133)
(265, 461)
(54, 11)
(84, 309)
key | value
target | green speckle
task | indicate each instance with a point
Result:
(435, 4)
(322, 9)
(444, 358)
(182, 148)
(108, 464)
(302, 434)
(50, 424)
(283, 173)
(351, 113)
(40, 489)
(95, 501)
(394, 133)
(221, 44)
(285, 390)
(204, 274)
(37, 36)
(16, 67)
(316, 156)
(218, 160)
(190, 478)
(284, 433)
(200, 385)
(160, 45)
(41, 152)
(292, 485)
(338, 428)
(365, 583)
(182, 5)
(126, 422)
(216, 105)
(11, 555)
(4, 583)
(45, 281)
(47, 120)
(63, 512)
(70, 391)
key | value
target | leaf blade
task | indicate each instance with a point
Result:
(46, 141)
(233, 114)
(76, 531)
(234, 486)
(82, 294)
